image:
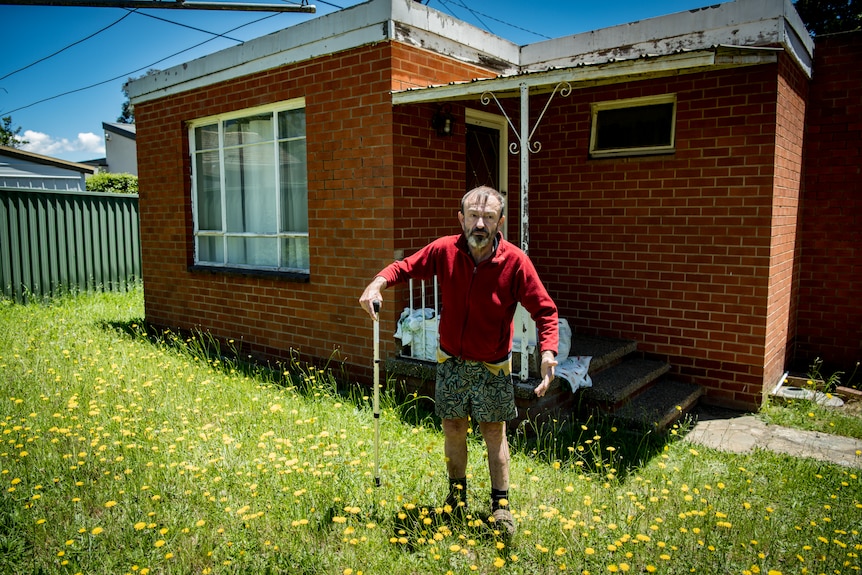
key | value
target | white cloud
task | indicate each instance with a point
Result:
(86, 142)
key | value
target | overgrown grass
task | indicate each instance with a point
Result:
(122, 453)
(809, 415)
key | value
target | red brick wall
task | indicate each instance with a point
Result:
(673, 251)
(350, 195)
(830, 283)
(353, 199)
(790, 129)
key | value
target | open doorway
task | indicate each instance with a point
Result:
(487, 151)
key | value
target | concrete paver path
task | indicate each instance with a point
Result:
(744, 433)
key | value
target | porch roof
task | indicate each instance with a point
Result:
(588, 75)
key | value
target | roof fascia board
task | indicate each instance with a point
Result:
(417, 25)
(281, 48)
(598, 74)
(375, 21)
(743, 23)
(124, 130)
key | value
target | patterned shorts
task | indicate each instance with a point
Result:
(470, 388)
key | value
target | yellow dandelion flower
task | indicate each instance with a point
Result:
(110, 504)
(140, 525)
(159, 543)
(200, 523)
(96, 531)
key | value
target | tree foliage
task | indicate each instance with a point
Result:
(127, 113)
(113, 183)
(830, 16)
(9, 136)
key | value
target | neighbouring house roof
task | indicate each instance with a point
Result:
(704, 37)
(125, 130)
(26, 170)
(34, 158)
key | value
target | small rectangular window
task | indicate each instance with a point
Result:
(633, 127)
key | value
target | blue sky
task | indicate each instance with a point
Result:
(63, 68)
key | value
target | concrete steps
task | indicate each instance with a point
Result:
(627, 387)
(633, 389)
(660, 405)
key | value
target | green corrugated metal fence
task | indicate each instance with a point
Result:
(52, 242)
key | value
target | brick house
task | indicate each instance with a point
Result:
(663, 180)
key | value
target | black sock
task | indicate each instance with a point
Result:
(497, 495)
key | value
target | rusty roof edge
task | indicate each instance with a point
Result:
(589, 74)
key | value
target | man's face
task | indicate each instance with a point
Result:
(480, 220)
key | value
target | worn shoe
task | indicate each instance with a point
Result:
(502, 521)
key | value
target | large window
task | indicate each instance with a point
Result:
(250, 189)
(633, 127)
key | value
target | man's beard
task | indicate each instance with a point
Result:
(478, 241)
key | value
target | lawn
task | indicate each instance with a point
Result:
(128, 452)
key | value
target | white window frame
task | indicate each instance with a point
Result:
(597, 107)
(278, 236)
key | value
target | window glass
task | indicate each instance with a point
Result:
(208, 171)
(633, 127)
(250, 189)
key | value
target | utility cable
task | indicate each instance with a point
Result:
(477, 13)
(180, 24)
(120, 77)
(63, 49)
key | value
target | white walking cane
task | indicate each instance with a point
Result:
(376, 305)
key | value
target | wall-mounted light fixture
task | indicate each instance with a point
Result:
(442, 121)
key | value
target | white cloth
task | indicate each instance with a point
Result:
(418, 329)
(575, 370)
(565, 344)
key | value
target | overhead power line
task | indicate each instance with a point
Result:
(476, 14)
(64, 48)
(173, 4)
(128, 74)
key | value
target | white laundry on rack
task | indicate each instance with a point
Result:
(418, 329)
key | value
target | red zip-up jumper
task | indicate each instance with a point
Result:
(479, 300)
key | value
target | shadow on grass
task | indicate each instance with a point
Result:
(586, 439)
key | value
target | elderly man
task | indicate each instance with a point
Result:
(482, 278)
